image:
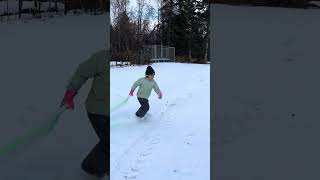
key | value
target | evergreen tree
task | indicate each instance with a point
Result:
(184, 25)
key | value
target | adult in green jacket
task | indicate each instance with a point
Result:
(97, 105)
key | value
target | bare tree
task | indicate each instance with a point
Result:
(141, 5)
(116, 6)
(49, 8)
(131, 31)
(66, 4)
(160, 5)
(20, 8)
(119, 7)
(119, 10)
(34, 8)
(8, 9)
(82, 5)
(39, 8)
(56, 6)
(206, 54)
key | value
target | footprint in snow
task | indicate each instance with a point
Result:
(187, 140)
(181, 172)
(155, 141)
(145, 154)
(134, 169)
(140, 161)
(130, 176)
(188, 143)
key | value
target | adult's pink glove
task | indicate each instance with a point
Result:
(131, 92)
(68, 99)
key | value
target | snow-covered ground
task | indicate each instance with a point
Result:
(37, 59)
(266, 93)
(114, 63)
(173, 143)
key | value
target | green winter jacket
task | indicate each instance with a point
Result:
(95, 67)
(145, 87)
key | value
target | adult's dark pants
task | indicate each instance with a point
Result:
(144, 107)
(97, 161)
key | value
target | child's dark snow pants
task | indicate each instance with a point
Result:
(144, 107)
(97, 161)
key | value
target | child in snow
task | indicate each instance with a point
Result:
(146, 84)
(95, 67)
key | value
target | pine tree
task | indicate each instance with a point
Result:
(184, 25)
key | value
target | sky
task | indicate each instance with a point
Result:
(133, 4)
(151, 2)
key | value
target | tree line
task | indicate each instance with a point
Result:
(180, 24)
(36, 9)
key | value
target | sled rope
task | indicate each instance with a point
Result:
(120, 104)
(33, 134)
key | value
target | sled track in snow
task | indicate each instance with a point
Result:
(140, 154)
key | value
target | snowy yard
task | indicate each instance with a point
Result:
(174, 142)
(266, 93)
(37, 59)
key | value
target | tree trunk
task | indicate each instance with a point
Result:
(56, 6)
(34, 8)
(189, 48)
(95, 8)
(65, 7)
(81, 4)
(8, 10)
(206, 54)
(39, 9)
(20, 8)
